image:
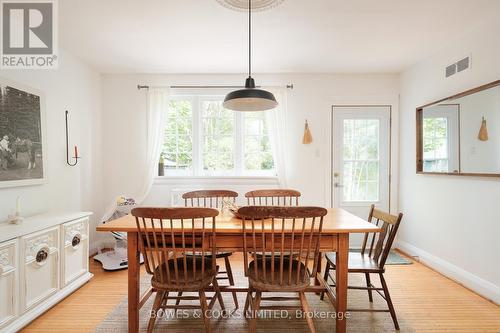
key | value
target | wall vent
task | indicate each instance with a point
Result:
(451, 69)
(457, 67)
(463, 64)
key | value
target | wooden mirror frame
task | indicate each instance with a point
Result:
(419, 128)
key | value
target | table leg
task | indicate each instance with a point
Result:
(133, 282)
(341, 281)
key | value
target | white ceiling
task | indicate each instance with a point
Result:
(201, 36)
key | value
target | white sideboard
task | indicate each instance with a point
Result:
(42, 260)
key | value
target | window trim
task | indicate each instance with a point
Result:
(217, 180)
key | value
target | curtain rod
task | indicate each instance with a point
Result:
(140, 86)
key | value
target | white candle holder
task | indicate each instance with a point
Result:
(15, 219)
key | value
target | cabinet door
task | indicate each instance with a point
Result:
(8, 282)
(75, 251)
(40, 266)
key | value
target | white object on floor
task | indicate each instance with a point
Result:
(116, 259)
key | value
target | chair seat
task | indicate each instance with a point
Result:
(266, 283)
(193, 280)
(358, 263)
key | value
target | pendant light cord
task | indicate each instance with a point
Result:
(249, 38)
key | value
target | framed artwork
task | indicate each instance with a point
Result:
(22, 135)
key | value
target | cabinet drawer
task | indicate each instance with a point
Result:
(8, 282)
(39, 266)
(75, 250)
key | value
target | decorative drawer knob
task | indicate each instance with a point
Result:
(76, 240)
(41, 255)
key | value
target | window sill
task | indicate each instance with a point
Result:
(216, 180)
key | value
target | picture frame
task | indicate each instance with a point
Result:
(23, 135)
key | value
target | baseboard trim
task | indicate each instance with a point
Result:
(478, 285)
(26, 318)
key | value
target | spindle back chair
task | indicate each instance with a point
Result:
(165, 235)
(208, 198)
(378, 244)
(273, 197)
(372, 258)
(292, 235)
(214, 199)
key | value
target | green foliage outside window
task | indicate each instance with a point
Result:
(217, 141)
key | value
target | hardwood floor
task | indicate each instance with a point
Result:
(424, 299)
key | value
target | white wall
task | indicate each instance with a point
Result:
(451, 222)
(475, 155)
(313, 95)
(74, 87)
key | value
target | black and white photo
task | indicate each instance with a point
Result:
(21, 151)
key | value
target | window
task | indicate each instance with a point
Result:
(435, 142)
(361, 160)
(202, 138)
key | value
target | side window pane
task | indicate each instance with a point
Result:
(257, 147)
(177, 153)
(217, 138)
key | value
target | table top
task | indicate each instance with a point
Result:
(336, 221)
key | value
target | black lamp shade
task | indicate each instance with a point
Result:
(250, 99)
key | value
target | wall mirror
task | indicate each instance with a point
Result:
(460, 135)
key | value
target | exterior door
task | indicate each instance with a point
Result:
(361, 159)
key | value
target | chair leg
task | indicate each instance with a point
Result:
(204, 310)
(368, 284)
(247, 303)
(154, 310)
(389, 301)
(229, 271)
(255, 309)
(178, 300)
(306, 310)
(325, 277)
(218, 294)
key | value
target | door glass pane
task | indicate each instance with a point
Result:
(361, 163)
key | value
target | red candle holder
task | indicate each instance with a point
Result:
(75, 157)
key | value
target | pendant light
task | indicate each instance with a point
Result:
(250, 98)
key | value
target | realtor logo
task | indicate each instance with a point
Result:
(29, 39)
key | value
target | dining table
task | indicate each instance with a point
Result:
(338, 224)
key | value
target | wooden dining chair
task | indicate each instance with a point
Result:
(371, 260)
(208, 198)
(214, 199)
(273, 197)
(165, 235)
(287, 269)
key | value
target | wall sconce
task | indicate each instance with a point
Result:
(307, 138)
(76, 157)
(483, 131)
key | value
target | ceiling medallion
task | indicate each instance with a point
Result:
(257, 5)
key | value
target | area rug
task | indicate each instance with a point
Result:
(278, 322)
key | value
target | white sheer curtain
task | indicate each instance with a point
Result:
(157, 104)
(156, 112)
(276, 119)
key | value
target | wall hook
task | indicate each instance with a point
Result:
(76, 157)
